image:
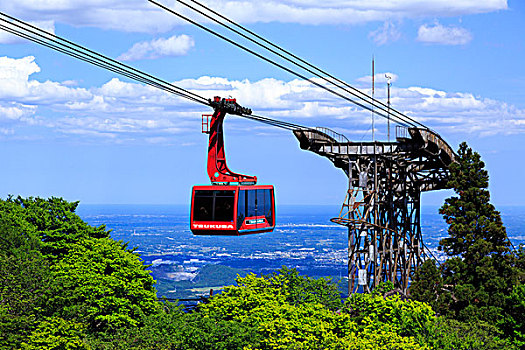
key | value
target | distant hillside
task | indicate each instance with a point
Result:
(210, 276)
(217, 275)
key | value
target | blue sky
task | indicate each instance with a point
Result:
(76, 131)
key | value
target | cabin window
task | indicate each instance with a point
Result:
(260, 202)
(253, 203)
(241, 208)
(224, 201)
(203, 206)
(213, 205)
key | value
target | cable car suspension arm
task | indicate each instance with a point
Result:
(218, 170)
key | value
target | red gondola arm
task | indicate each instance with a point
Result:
(218, 170)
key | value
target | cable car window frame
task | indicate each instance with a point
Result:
(215, 196)
(268, 206)
(260, 205)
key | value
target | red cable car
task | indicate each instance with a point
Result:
(233, 205)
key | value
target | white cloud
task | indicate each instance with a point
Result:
(14, 75)
(122, 15)
(13, 112)
(8, 38)
(348, 11)
(15, 83)
(172, 46)
(438, 34)
(120, 111)
(388, 32)
(141, 16)
(6, 131)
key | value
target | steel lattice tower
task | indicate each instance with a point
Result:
(382, 204)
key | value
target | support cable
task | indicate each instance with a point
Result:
(305, 64)
(44, 38)
(404, 123)
(93, 62)
(62, 45)
(274, 122)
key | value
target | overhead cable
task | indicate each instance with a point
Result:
(360, 104)
(37, 35)
(276, 123)
(52, 41)
(268, 45)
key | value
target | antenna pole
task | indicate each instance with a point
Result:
(373, 90)
(388, 82)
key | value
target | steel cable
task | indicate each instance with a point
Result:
(346, 87)
(277, 64)
(62, 45)
(52, 41)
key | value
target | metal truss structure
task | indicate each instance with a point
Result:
(382, 205)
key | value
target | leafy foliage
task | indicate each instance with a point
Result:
(297, 289)
(288, 311)
(449, 334)
(24, 278)
(269, 312)
(56, 333)
(102, 284)
(53, 221)
(57, 273)
(165, 329)
(515, 320)
(428, 286)
(405, 317)
(274, 311)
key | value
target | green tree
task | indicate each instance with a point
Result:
(163, 330)
(515, 320)
(475, 227)
(101, 283)
(427, 286)
(268, 312)
(450, 334)
(481, 269)
(24, 278)
(475, 282)
(53, 220)
(303, 289)
(404, 317)
(54, 267)
(288, 311)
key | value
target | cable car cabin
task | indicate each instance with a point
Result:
(233, 205)
(232, 210)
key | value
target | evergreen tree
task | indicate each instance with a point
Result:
(481, 269)
(427, 286)
(475, 227)
(476, 282)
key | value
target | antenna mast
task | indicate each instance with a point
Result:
(373, 90)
